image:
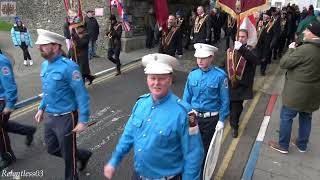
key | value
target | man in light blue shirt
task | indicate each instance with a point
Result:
(207, 91)
(166, 141)
(64, 94)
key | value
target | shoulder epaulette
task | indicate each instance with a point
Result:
(185, 105)
(144, 96)
(220, 70)
(195, 68)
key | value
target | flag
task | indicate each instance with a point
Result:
(123, 16)
(249, 23)
(242, 8)
(162, 13)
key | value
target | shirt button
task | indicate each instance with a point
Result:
(149, 120)
(144, 135)
(160, 132)
(152, 107)
(139, 150)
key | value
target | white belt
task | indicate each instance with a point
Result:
(163, 178)
(206, 114)
(59, 114)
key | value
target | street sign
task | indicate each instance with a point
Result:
(8, 8)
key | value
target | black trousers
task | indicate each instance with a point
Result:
(62, 145)
(116, 59)
(26, 54)
(217, 34)
(12, 127)
(149, 39)
(266, 61)
(207, 127)
(136, 176)
(282, 43)
(236, 108)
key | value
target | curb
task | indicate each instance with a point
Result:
(255, 151)
(38, 97)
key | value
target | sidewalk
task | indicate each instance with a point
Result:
(295, 165)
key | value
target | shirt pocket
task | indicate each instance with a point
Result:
(213, 89)
(57, 80)
(137, 127)
(162, 136)
(194, 86)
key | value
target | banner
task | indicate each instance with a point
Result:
(74, 13)
(242, 8)
(162, 13)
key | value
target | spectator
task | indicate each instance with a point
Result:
(302, 65)
(21, 37)
(92, 26)
(149, 26)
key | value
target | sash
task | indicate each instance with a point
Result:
(198, 23)
(235, 66)
(112, 29)
(166, 38)
(270, 25)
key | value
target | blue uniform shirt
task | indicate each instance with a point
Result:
(63, 88)
(207, 91)
(8, 87)
(158, 132)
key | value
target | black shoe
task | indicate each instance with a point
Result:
(263, 73)
(234, 133)
(5, 162)
(95, 56)
(118, 73)
(91, 78)
(84, 162)
(29, 137)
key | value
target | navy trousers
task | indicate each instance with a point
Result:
(63, 144)
(12, 127)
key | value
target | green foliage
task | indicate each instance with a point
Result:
(5, 26)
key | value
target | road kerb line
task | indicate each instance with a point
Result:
(33, 107)
(225, 162)
(228, 156)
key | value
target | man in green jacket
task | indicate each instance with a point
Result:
(301, 89)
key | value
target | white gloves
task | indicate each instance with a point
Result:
(191, 37)
(293, 45)
(237, 45)
(219, 126)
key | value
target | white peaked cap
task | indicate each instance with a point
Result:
(47, 37)
(204, 50)
(159, 63)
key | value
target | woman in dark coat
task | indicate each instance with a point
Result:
(81, 41)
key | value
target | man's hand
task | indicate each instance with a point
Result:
(219, 126)
(39, 116)
(293, 45)
(191, 37)
(7, 110)
(108, 171)
(80, 127)
(237, 45)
